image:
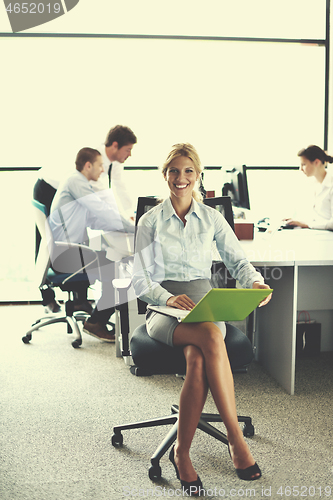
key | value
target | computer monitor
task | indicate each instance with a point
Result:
(236, 187)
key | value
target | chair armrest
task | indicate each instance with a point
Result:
(122, 283)
(75, 245)
(87, 249)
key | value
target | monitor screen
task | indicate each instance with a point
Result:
(236, 187)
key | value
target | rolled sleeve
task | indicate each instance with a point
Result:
(321, 224)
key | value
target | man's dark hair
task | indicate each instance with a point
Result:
(122, 135)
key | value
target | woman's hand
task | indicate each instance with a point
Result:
(181, 302)
(258, 285)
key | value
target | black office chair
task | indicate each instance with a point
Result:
(224, 206)
(153, 357)
(75, 256)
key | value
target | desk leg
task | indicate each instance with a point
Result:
(275, 337)
(117, 334)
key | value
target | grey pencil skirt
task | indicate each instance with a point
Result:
(161, 327)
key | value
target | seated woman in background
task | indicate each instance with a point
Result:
(173, 267)
(313, 164)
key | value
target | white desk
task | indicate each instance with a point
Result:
(298, 265)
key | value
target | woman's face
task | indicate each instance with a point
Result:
(308, 167)
(181, 177)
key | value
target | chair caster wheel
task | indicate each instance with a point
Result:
(76, 343)
(26, 339)
(248, 430)
(117, 439)
(155, 472)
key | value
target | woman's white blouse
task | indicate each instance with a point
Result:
(322, 217)
(168, 250)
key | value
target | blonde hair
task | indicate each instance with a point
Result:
(185, 149)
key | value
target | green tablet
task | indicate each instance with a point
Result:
(219, 304)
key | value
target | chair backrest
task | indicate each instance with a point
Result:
(63, 258)
(221, 277)
(224, 206)
(40, 213)
(145, 203)
(43, 261)
(220, 203)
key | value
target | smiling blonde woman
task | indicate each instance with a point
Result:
(179, 279)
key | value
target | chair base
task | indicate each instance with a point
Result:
(70, 317)
(72, 326)
(155, 470)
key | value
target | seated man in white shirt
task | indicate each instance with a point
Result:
(115, 151)
(44, 191)
(75, 207)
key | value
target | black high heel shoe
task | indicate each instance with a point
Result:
(190, 488)
(246, 474)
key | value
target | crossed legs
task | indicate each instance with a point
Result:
(207, 367)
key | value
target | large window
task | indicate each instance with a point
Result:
(18, 237)
(171, 77)
(235, 101)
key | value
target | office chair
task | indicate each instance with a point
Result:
(224, 206)
(153, 357)
(75, 255)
